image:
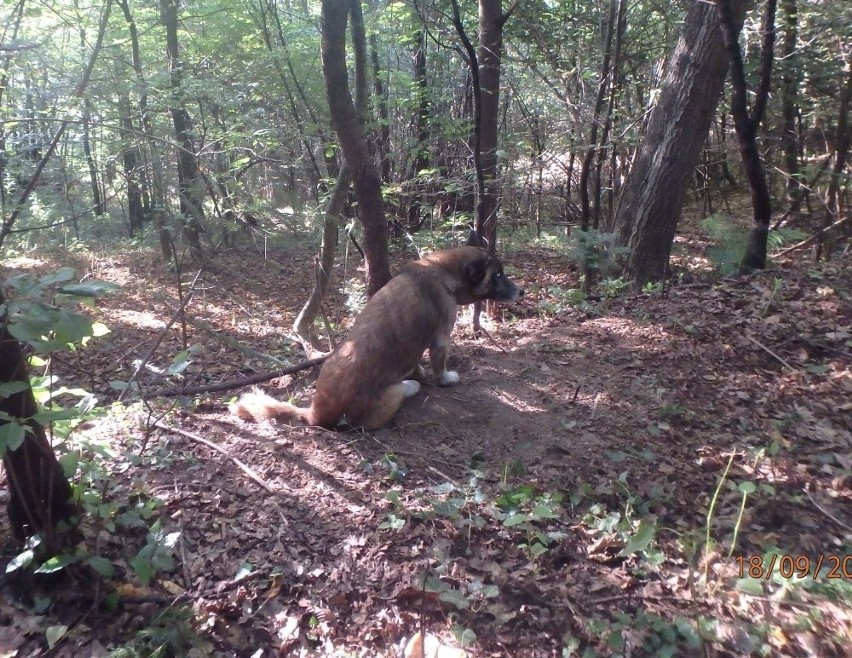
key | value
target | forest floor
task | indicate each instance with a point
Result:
(605, 478)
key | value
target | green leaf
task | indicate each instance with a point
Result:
(90, 288)
(51, 415)
(747, 487)
(515, 519)
(69, 462)
(21, 560)
(102, 565)
(12, 435)
(56, 563)
(643, 537)
(10, 388)
(143, 567)
(456, 598)
(464, 636)
(72, 327)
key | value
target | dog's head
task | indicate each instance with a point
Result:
(484, 279)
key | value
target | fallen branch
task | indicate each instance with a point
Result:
(818, 234)
(236, 383)
(771, 353)
(200, 439)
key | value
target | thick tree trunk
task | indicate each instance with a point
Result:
(39, 495)
(489, 56)
(350, 132)
(652, 197)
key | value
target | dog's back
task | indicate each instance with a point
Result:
(363, 378)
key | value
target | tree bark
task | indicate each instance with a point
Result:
(833, 209)
(39, 495)
(746, 126)
(789, 97)
(489, 56)
(350, 131)
(652, 197)
(158, 187)
(191, 208)
(303, 326)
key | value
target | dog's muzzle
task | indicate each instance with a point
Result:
(505, 290)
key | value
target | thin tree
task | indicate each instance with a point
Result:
(349, 125)
(747, 124)
(192, 211)
(789, 95)
(841, 151)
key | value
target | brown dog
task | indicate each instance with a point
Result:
(364, 378)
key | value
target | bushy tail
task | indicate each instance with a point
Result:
(257, 405)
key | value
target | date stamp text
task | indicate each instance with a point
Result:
(761, 567)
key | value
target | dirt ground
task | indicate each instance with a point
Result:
(597, 425)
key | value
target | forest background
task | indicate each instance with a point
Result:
(277, 160)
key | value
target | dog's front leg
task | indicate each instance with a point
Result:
(438, 352)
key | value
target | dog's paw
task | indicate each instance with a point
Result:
(449, 378)
(410, 387)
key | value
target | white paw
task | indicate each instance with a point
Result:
(410, 387)
(449, 378)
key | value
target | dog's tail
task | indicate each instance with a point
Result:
(257, 405)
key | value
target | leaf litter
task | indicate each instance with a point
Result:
(384, 543)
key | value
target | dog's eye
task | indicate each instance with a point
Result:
(498, 275)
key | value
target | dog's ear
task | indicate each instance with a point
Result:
(475, 270)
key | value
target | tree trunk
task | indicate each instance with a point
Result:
(421, 128)
(97, 202)
(489, 56)
(39, 495)
(789, 97)
(833, 209)
(383, 132)
(650, 205)
(350, 132)
(130, 163)
(304, 324)
(191, 208)
(747, 126)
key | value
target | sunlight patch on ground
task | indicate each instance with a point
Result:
(139, 319)
(621, 326)
(518, 403)
(23, 263)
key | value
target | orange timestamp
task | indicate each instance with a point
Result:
(795, 566)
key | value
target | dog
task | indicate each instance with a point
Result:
(364, 380)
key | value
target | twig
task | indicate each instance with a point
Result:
(818, 234)
(493, 342)
(244, 467)
(827, 513)
(237, 383)
(771, 353)
(189, 596)
(162, 335)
